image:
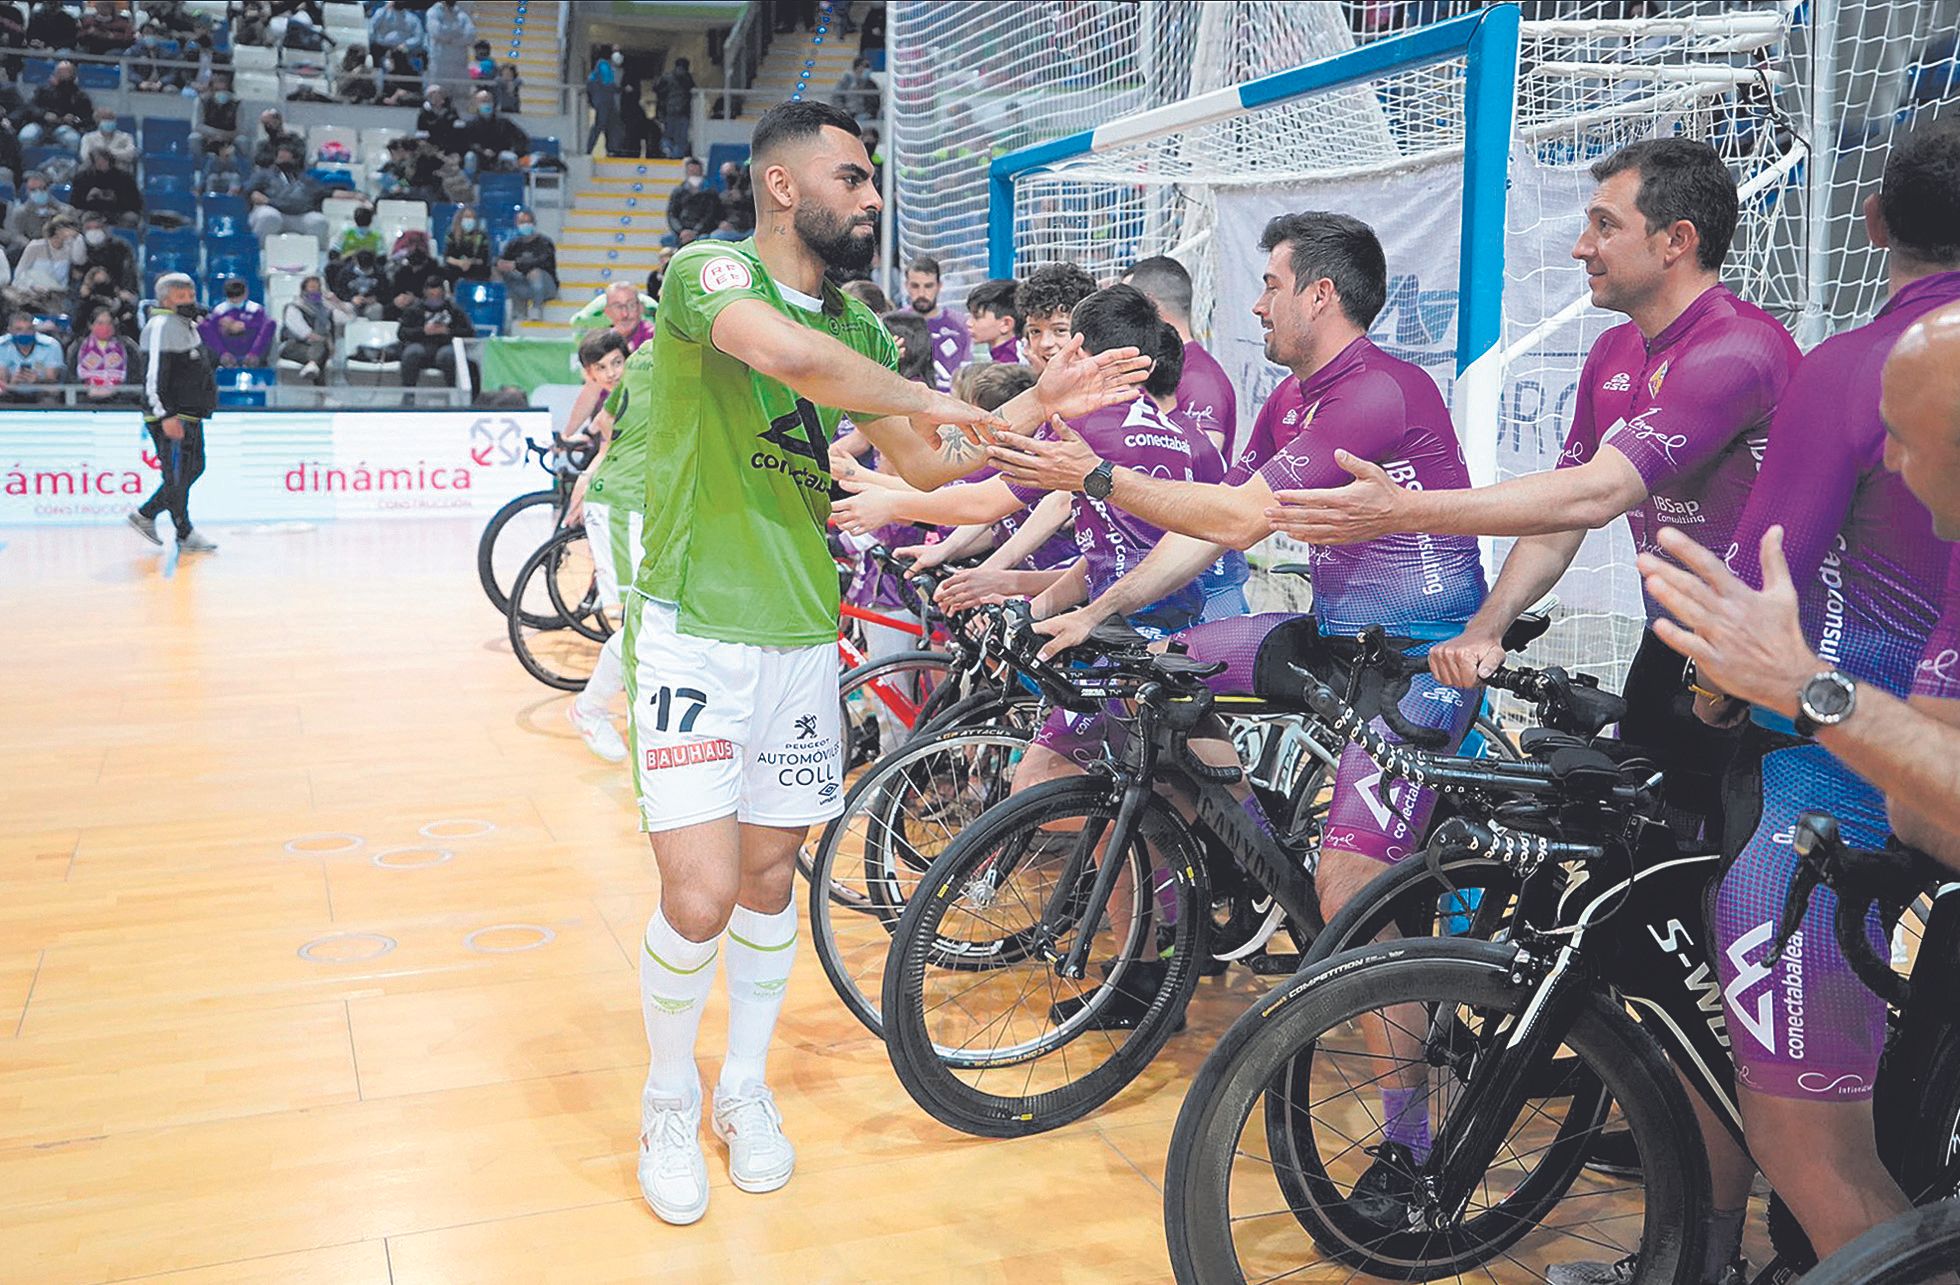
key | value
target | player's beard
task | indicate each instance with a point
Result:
(835, 240)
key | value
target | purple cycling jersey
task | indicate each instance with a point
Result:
(1938, 674)
(1868, 569)
(1387, 410)
(1057, 550)
(1690, 411)
(1007, 352)
(950, 346)
(1206, 402)
(1134, 435)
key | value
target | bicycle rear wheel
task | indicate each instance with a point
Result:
(984, 1031)
(897, 819)
(1229, 1220)
(513, 534)
(882, 699)
(1917, 1248)
(557, 586)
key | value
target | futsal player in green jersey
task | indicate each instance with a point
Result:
(608, 501)
(731, 633)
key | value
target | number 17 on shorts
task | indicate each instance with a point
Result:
(721, 727)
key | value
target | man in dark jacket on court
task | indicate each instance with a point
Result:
(179, 394)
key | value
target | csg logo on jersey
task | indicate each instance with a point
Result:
(721, 273)
(1620, 383)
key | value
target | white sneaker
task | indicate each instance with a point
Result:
(598, 733)
(673, 1171)
(760, 1158)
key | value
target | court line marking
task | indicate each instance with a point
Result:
(545, 937)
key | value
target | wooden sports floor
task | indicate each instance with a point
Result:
(317, 932)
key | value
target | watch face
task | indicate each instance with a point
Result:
(1828, 696)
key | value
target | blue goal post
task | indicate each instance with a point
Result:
(1487, 40)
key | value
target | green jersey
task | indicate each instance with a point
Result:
(620, 480)
(738, 475)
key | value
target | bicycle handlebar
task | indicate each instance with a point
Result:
(1861, 879)
(1522, 851)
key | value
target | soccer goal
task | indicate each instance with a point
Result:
(1102, 133)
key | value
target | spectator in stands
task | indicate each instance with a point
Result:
(438, 120)
(103, 361)
(413, 170)
(693, 210)
(482, 65)
(31, 214)
(59, 112)
(451, 32)
(215, 120)
(358, 282)
(427, 326)
(394, 28)
(305, 36)
(274, 135)
(42, 276)
(52, 27)
(99, 290)
(306, 329)
(238, 332)
(869, 295)
(602, 91)
(103, 249)
(871, 32)
(635, 130)
(13, 32)
(359, 235)
(491, 140)
(675, 92)
(106, 189)
(355, 82)
(204, 51)
(285, 198)
(251, 23)
(737, 203)
(110, 139)
(12, 166)
(856, 93)
(466, 249)
(106, 28)
(410, 268)
(914, 345)
(29, 360)
(175, 16)
(149, 70)
(509, 89)
(401, 81)
(223, 172)
(529, 266)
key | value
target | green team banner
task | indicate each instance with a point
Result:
(528, 363)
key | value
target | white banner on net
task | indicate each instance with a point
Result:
(1417, 214)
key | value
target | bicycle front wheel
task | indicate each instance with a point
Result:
(882, 700)
(1423, 1017)
(512, 535)
(553, 595)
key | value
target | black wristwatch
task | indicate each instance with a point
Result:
(1825, 701)
(1100, 481)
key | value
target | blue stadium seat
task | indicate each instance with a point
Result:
(1934, 75)
(59, 322)
(230, 261)
(34, 73)
(171, 241)
(721, 153)
(441, 215)
(40, 154)
(6, 191)
(484, 302)
(97, 75)
(168, 196)
(245, 385)
(166, 136)
(63, 192)
(334, 178)
(500, 189)
(129, 235)
(548, 145)
(182, 168)
(231, 209)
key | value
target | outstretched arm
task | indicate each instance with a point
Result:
(1174, 563)
(874, 506)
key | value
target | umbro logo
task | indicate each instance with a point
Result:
(1620, 383)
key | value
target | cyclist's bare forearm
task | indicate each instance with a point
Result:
(1046, 519)
(1535, 564)
(1070, 586)
(1224, 515)
(1174, 563)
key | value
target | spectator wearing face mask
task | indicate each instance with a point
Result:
(393, 27)
(31, 214)
(99, 291)
(103, 361)
(28, 362)
(216, 119)
(693, 210)
(491, 141)
(451, 32)
(59, 112)
(147, 65)
(362, 235)
(103, 249)
(306, 329)
(284, 198)
(482, 65)
(223, 172)
(428, 324)
(529, 267)
(105, 29)
(42, 275)
(674, 93)
(274, 135)
(737, 204)
(238, 332)
(108, 138)
(105, 189)
(466, 250)
(358, 281)
(602, 90)
(410, 269)
(438, 120)
(414, 170)
(355, 82)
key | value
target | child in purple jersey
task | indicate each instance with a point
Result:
(950, 341)
(993, 323)
(1206, 400)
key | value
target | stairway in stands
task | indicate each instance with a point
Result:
(524, 32)
(612, 233)
(826, 55)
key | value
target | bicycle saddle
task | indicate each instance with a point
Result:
(1186, 667)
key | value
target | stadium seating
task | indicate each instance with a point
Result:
(166, 136)
(224, 216)
(98, 75)
(441, 215)
(292, 252)
(380, 335)
(244, 385)
(484, 302)
(170, 167)
(500, 190)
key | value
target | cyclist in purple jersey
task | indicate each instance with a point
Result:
(1670, 409)
(950, 341)
(1206, 400)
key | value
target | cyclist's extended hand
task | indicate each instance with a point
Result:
(977, 587)
(1069, 629)
(1059, 463)
(1074, 383)
(1746, 642)
(867, 510)
(923, 557)
(1467, 659)
(1366, 508)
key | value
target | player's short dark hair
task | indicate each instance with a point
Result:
(787, 123)
(1339, 248)
(1680, 178)
(926, 265)
(915, 363)
(998, 383)
(1167, 362)
(593, 348)
(995, 298)
(1117, 317)
(1053, 288)
(1165, 280)
(1920, 193)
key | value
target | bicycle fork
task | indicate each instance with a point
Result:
(1054, 919)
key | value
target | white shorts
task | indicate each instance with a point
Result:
(614, 538)
(720, 727)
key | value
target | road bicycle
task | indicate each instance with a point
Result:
(523, 524)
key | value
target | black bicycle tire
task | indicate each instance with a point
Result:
(822, 908)
(1277, 1030)
(1898, 1252)
(516, 620)
(853, 679)
(910, 1045)
(589, 608)
(486, 544)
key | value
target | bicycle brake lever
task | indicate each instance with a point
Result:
(1815, 836)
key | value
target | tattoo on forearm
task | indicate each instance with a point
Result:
(953, 446)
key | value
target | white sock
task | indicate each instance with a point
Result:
(608, 678)
(675, 977)
(761, 949)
